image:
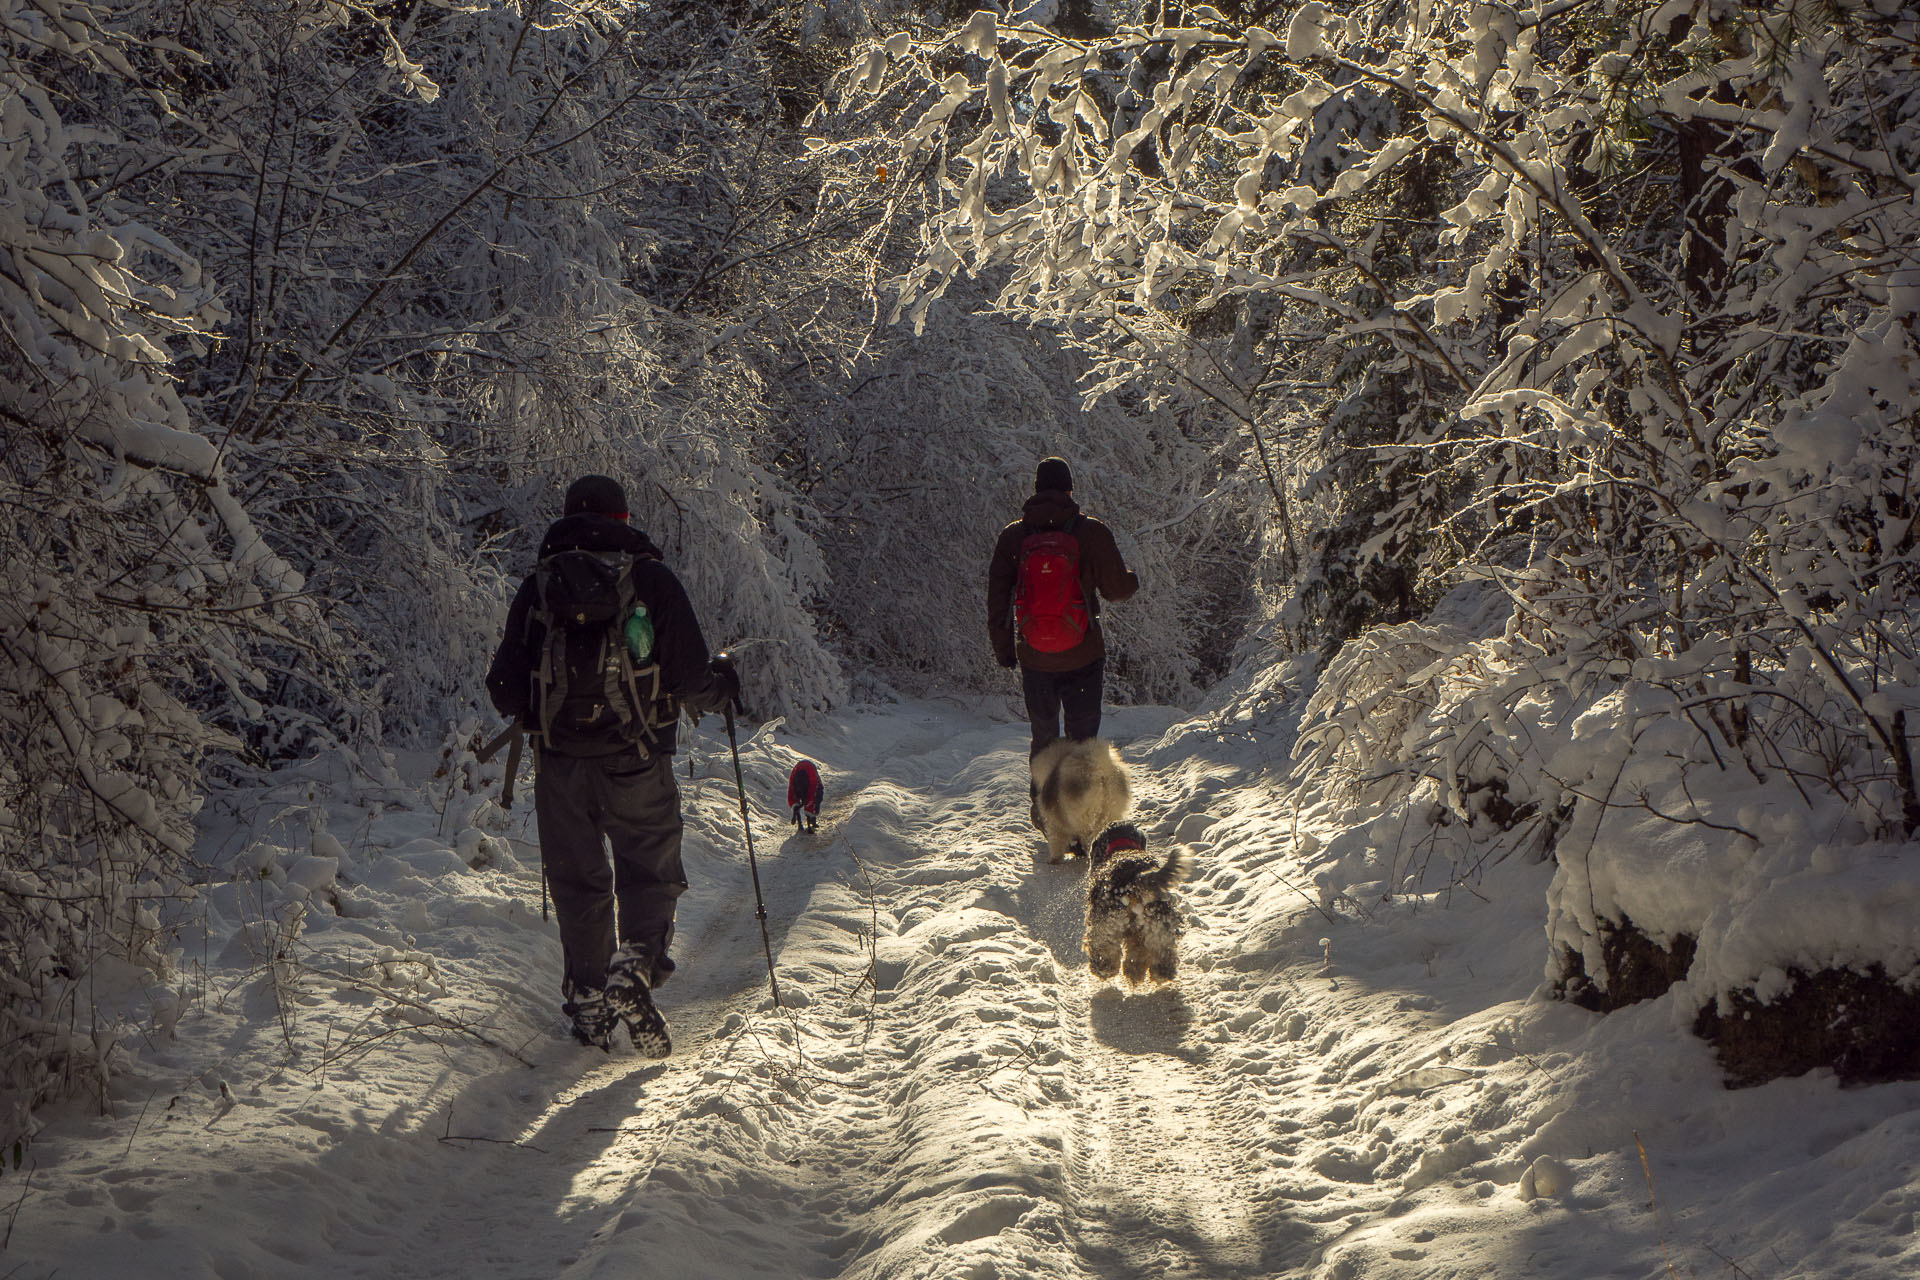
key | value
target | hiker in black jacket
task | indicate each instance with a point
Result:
(604, 748)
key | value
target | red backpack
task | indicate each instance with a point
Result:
(1048, 602)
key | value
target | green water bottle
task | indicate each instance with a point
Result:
(639, 632)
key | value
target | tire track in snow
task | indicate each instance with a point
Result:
(776, 1160)
(743, 1174)
(1170, 1181)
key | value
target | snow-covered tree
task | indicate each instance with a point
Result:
(138, 598)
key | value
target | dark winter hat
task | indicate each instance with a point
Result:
(1052, 473)
(599, 494)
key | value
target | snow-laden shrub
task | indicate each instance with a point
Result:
(1386, 715)
(1439, 731)
(1463, 747)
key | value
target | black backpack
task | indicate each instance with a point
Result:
(596, 677)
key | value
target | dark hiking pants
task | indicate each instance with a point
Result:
(586, 805)
(1072, 695)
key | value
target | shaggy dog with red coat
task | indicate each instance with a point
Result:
(1133, 918)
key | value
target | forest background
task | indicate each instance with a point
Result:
(1601, 313)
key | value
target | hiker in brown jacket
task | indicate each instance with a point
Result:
(1048, 627)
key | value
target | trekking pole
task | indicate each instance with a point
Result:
(759, 905)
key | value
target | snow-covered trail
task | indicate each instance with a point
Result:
(946, 1094)
(1373, 1090)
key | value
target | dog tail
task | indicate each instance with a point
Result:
(1177, 867)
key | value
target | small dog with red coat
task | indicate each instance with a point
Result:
(804, 793)
(1133, 916)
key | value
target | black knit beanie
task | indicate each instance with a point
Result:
(1052, 473)
(599, 494)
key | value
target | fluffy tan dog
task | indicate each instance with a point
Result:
(1083, 790)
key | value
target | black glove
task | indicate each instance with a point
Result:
(727, 676)
(1006, 660)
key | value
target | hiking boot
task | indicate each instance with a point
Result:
(594, 1018)
(631, 976)
(640, 964)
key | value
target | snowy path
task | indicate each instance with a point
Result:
(957, 1100)
(1369, 1092)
